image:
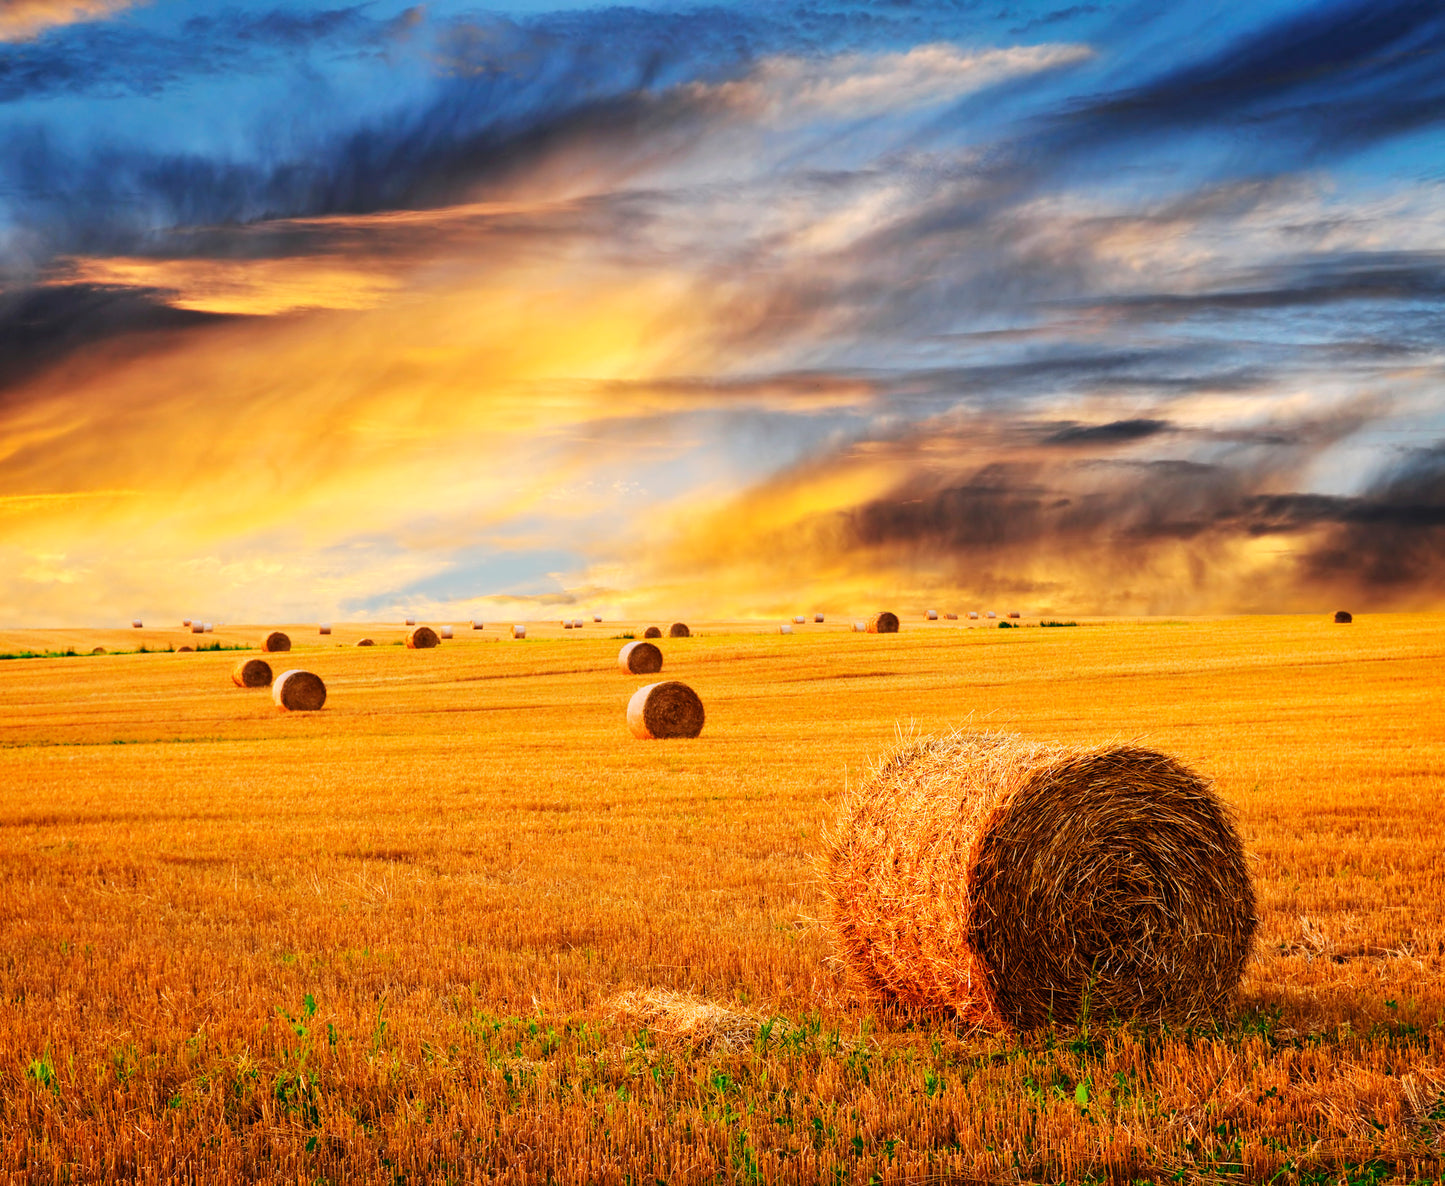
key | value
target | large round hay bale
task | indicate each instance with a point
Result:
(275, 642)
(1015, 883)
(679, 630)
(298, 691)
(476, 625)
(652, 632)
(883, 623)
(668, 709)
(817, 617)
(422, 638)
(1342, 616)
(251, 673)
(365, 642)
(640, 658)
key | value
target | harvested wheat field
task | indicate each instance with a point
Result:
(460, 925)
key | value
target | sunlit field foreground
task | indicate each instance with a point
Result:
(460, 925)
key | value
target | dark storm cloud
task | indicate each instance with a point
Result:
(1116, 431)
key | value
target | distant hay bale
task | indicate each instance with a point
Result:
(208, 628)
(679, 630)
(137, 624)
(1013, 613)
(785, 628)
(951, 617)
(664, 710)
(251, 673)
(576, 623)
(186, 622)
(519, 632)
(411, 621)
(597, 617)
(365, 642)
(652, 632)
(446, 631)
(275, 642)
(883, 623)
(422, 638)
(973, 615)
(1013, 883)
(640, 658)
(933, 615)
(324, 628)
(991, 614)
(192, 650)
(198, 627)
(860, 627)
(98, 651)
(817, 617)
(799, 620)
(298, 691)
(567, 624)
(1343, 616)
(476, 625)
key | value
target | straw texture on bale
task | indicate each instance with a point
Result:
(324, 628)
(679, 630)
(519, 632)
(1343, 616)
(275, 642)
(883, 623)
(298, 691)
(664, 710)
(422, 638)
(251, 673)
(365, 642)
(1013, 883)
(652, 632)
(640, 658)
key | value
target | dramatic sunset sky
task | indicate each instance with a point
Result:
(314, 311)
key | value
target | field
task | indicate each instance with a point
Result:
(461, 926)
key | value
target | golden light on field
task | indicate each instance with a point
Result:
(460, 918)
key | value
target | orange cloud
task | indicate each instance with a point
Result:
(21, 20)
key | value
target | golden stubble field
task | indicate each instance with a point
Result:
(461, 926)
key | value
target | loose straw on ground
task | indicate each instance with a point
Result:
(1013, 883)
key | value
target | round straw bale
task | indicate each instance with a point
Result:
(817, 617)
(973, 615)
(567, 624)
(785, 628)
(1013, 883)
(679, 630)
(577, 623)
(1343, 616)
(991, 614)
(446, 631)
(933, 615)
(652, 632)
(883, 623)
(186, 622)
(251, 673)
(275, 642)
(298, 691)
(860, 627)
(519, 632)
(136, 623)
(365, 642)
(98, 651)
(411, 621)
(325, 628)
(799, 620)
(950, 617)
(476, 625)
(198, 627)
(640, 658)
(208, 628)
(422, 638)
(192, 650)
(1013, 613)
(662, 710)
(597, 617)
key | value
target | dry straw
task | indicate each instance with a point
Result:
(883, 623)
(1342, 616)
(652, 632)
(275, 642)
(1014, 883)
(640, 658)
(679, 630)
(860, 627)
(664, 710)
(298, 691)
(251, 673)
(422, 638)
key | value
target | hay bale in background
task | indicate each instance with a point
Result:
(669, 709)
(446, 632)
(1343, 616)
(567, 624)
(137, 624)
(883, 623)
(640, 658)
(476, 625)
(519, 632)
(785, 628)
(251, 673)
(298, 691)
(679, 630)
(365, 642)
(597, 617)
(1004, 880)
(192, 650)
(817, 617)
(208, 628)
(411, 622)
(1013, 613)
(799, 620)
(933, 615)
(422, 638)
(951, 617)
(198, 627)
(98, 651)
(324, 628)
(860, 627)
(991, 614)
(973, 615)
(275, 643)
(652, 632)
(186, 623)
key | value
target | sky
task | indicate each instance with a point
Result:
(313, 311)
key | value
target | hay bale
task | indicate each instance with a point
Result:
(577, 623)
(192, 650)
(298, 691)
(640, 658)
(991, 614)
(817, 617)
(411, 621)
(883, 623)
(664, 710)
(679, 630)
(519, 632)
(446, 632)
(251, 673)
(860, 627)
(1005, 881)
(567, 624)
(973, 615)
(933, 615)
(597, 617)
(208, 628)
(365, 642)
(1013, 613)
(198, 627)
(950, 617)
(799, 620)
(98, 651)
(275, 642)
(476, 625)
(652, 632)
(137, 624)
(325, 628)
(785, 628)
(1343, 616)
(186, 622)
(422, 638)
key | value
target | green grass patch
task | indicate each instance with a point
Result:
(1051, 622)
